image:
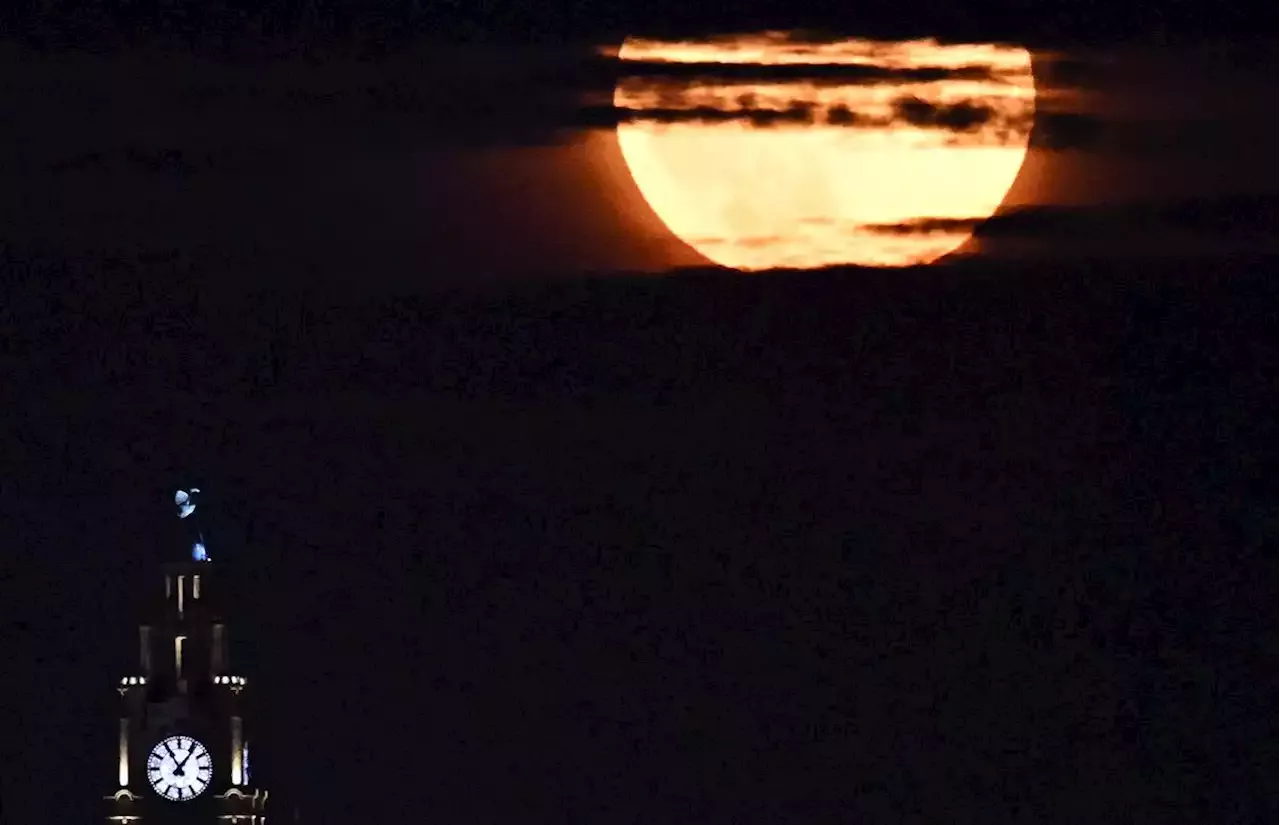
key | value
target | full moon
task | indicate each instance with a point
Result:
(771, 150)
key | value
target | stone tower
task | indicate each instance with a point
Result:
(183, 739)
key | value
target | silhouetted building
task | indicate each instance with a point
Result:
(183, 748)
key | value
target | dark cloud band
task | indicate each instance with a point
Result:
(817, 74)
(1240, 216)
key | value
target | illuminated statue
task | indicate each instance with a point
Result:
(186, 502)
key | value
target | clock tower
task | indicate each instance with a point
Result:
(183, 746)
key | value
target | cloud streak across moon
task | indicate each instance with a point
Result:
(763, 150)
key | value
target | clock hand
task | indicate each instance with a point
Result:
(182, 768)
(177, 763)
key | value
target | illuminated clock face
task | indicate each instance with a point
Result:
(179, 768)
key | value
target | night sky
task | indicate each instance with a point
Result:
(537, 517)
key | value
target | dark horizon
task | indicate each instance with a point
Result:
(1003, 512)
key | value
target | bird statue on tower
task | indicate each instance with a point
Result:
(186, 503)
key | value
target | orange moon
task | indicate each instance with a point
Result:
(770, 151)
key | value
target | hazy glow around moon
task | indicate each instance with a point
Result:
(767, 150)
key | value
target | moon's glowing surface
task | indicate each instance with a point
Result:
(769, 151)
